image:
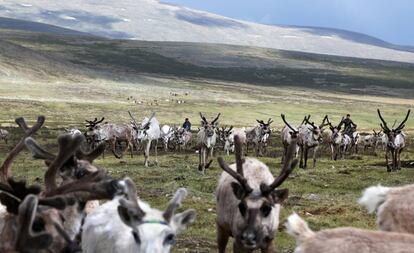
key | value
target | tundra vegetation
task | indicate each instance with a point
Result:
(86, 78)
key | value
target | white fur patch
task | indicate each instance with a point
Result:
(373, 197)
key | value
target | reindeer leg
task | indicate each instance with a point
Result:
(222, 239)
(283, 154)
(386, 160)
(200, 165)
(205, 152)
(399, 159)
(146, 153)
(306, 157)
(301, 157)
(156, 152)
(315, 149)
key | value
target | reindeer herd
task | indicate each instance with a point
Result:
(67, 214)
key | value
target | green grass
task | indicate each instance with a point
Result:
(70, 79)
(325, 196)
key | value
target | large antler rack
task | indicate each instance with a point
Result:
(5, 169)
(238, 174)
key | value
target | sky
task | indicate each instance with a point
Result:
(389, 20)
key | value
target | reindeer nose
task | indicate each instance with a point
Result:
(249, 238)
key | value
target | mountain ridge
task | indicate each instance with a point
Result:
(151, 20)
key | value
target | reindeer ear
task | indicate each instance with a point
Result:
(181, 220)
(238, 190)
(125, 216)
(279, 195)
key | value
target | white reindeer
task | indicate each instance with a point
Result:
(129, 225)
(167, 133)
(372, 140)
(149, 131)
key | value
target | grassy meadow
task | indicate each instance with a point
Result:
(70, 79)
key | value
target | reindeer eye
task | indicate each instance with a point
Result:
(170, 239)
(136, 237)
(265, 209)
(242, 208)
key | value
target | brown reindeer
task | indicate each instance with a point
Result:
(81, 187)
(248, 202)
(396, 142)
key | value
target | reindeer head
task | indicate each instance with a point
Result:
(393, 132)
(265, 127)
(179, 135)
(258, 209)
(209, 127)
(316, 131)
(77, 165)
(92, 129)
(141, 129)
(153, 230)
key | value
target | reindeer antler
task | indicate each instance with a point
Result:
(238, 175)
(26, 238)
(215, 119)
(323, 122)
(68, 145)
(384, 123)
(5, 169)
(130, 204)
(174, 204)
(133, 120)
(287, 168)
(402, 124)
(287, 124)
(203, 118)
(269, 121)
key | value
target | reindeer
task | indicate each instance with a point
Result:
(4, 135)
(206, 140)
(345, 240)
(396, 142)
(91, 134)
(148, 130)
(259, 136)
(54, 196)
(35, 229)
(182, 138)
(310, 136)
(229, 139)
(129, 225)
(372, 140)
(287, 132)
(338, 142)
(224, 137)
(394, 212)
(248, 202)
(167, 134)
(111, 133)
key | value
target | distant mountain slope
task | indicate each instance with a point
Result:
(47, 56)
(152, 20)
(17, 24)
